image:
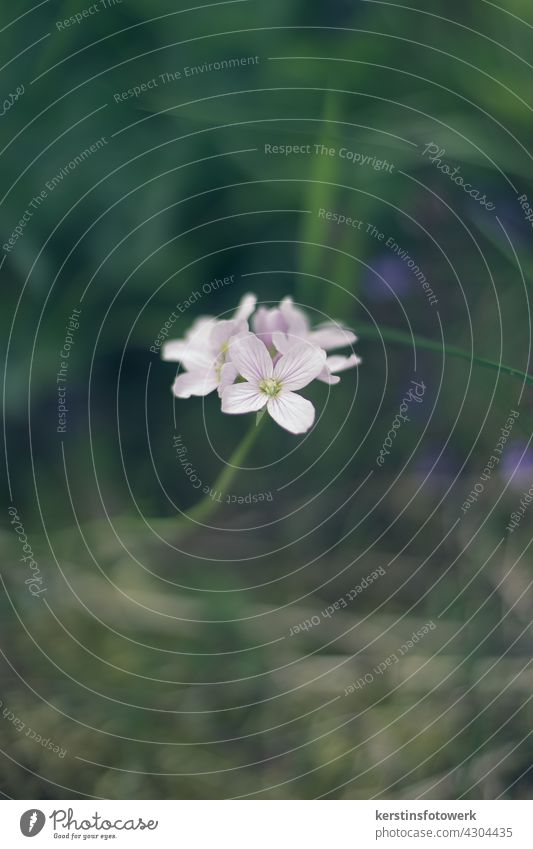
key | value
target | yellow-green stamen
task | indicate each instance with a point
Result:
(270, 387)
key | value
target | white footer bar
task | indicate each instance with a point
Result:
(268, 824)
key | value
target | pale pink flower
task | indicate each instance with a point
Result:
(272, 385)
(203, 351)
(282, 319)
(328, 336)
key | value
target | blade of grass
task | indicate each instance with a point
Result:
(320, 190)
(389, 334)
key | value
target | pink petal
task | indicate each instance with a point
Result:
(195, 383)
(297, 321)
(292, 412)
(246, 307)
(300, 365)
(251, 359)
(332, 336)
(242, 398)
(266, 322)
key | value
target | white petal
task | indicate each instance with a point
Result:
(195, 383)
(200, 331)
(242, 398)
(339, 363)
(228, 375)
(224, 330)
(300, 365)
(194, 351)
(201, 323)
(172, 351)
(192, 357)
(292, 412)
(332, 336)
(326, 376)
(284, 343)
(251, 358)
(336, 364)
(246, 307)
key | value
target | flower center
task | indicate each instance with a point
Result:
(270, 387)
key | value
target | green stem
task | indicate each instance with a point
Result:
(188, 522)
(201, 512)
(402, 338)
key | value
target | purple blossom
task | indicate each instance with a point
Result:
(517, 464)
(393, 271)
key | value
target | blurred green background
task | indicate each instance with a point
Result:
(168, 673)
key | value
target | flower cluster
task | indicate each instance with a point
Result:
(263, 366)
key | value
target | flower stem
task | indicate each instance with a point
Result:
(204, 509)
(402, 338)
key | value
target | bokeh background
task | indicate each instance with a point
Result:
(163, 666)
